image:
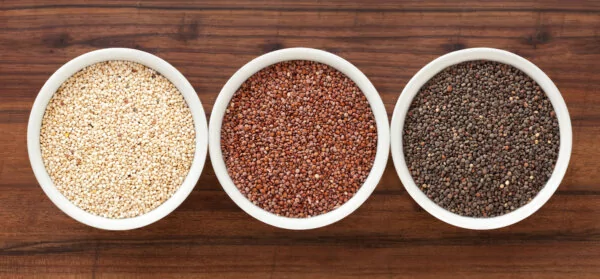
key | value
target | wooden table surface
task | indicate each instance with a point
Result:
(389, 236)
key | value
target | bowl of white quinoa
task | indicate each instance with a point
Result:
(117, 138)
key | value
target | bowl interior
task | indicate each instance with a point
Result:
(299, 54)
(429, 71)
(39, 108)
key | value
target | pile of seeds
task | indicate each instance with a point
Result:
(481, 139)
(298, 138)
(117, 139)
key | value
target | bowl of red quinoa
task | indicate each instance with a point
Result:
(481, 138)
(117, 138)
(299, 138)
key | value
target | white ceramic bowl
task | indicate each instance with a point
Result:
(430, 70)
(343, 66)
(39, 108)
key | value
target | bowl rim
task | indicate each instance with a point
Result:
(39, 108)
(491, 54)
(341, 65)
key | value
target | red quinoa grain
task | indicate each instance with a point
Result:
(298, 138)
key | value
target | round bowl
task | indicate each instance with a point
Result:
(39, 108)
(341, 65)
(429, 71)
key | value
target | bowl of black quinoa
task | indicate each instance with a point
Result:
(481, 138)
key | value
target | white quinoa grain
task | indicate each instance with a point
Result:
(117, 139)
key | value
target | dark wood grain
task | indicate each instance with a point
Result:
(389, 236)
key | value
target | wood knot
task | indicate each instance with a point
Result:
(187, 31)
(540, 37)
(61, 40)
(271, 46)
(453, 47)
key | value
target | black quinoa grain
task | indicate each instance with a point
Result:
(481, 139)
